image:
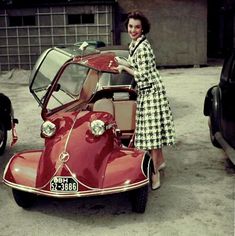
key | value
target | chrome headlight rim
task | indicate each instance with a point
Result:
(97, 127)
(48, 129)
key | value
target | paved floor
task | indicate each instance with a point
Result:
(197, 192)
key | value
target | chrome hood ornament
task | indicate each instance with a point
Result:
(64, 156)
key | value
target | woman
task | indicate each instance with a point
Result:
(154, 122)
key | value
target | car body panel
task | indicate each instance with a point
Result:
(104, 63)
(114, 175)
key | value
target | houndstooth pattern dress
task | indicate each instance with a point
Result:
(154, 121)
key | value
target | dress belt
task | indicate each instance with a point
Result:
(147, 87)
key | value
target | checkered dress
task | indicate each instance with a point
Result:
(154, 121)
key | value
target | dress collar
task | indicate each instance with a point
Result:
(135, 43)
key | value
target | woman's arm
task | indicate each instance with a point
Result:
(129, 70)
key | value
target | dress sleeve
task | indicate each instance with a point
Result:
(144, 62)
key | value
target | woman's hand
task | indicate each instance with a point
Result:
(119, 68)
(122, 61)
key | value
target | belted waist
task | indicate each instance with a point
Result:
(149, 88)
(146, 87)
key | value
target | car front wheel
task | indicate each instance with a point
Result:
(3, 137)
(23, 199)
(139, 198)
(212, 136)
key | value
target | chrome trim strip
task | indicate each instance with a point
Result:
(69, 134)
(96, 192)
(51, 177)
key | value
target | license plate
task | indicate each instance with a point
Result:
(63, 184)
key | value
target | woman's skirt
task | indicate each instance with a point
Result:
(154, 121)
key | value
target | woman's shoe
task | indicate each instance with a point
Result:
(155, 184)
(162, 166)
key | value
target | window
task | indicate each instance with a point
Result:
(15, 21)
(29, 20)
(22, 20)
(81, 19)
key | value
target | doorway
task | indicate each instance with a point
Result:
(221, 15)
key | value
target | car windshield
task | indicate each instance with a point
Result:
(43, 74)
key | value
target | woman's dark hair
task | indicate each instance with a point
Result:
(138, 15)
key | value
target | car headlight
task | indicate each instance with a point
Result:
(97, 127)
(48, 129)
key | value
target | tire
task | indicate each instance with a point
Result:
(3, 137)
(212, 137)
(215, 116)
(230, 164)
(23, 199)
(139, 198)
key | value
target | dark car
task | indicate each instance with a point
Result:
(219, 107)
(7, 122)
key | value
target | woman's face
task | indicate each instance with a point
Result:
(134, 28)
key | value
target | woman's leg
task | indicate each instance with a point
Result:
(158, 159)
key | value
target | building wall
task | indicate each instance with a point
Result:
(20, 46)
(178, 29)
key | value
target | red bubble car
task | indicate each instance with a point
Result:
(89, 121)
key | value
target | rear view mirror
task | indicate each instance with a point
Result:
(57, 88)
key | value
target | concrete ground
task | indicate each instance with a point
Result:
(197, 193)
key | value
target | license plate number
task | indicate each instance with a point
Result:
(63, 184)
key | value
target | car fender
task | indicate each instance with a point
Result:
(127, 167)
(216, 110)
(22, 168)
(208, 101)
